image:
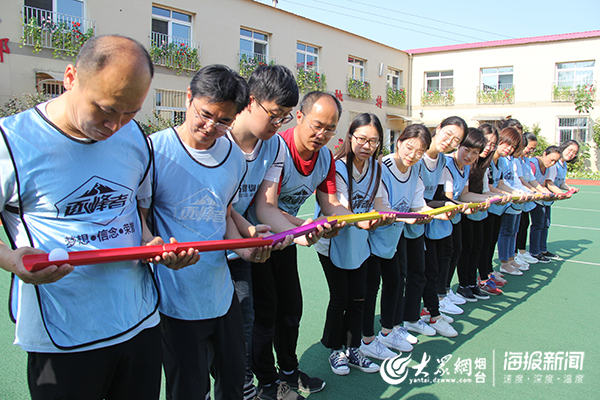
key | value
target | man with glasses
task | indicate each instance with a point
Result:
(308, 166)
(273, 94)
(196, 177)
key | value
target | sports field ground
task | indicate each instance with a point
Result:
(540, 340)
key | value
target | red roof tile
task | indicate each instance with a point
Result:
(508, 42)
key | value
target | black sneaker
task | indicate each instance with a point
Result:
(550, 256)
(541, 258)
(478, 293)
(276, 391)
(298, 380)
(466, 293)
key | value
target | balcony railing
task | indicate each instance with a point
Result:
(311, 78)
(396, 96)
(436, 97)
(175, 53)
(359, 88)
(568, 93)
(63, 33)
(250, 60)
(505, 94)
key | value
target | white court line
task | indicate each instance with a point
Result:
(579, 262)
(305, 215)
(576, 209)
(575, 227)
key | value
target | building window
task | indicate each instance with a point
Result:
(49, 85)
(171, 43)
(254, 45)
(496, 78)
(170, 104)
(66, 10)
(496, 86)
(440, 81)
(573, 74)
(439, 88)
(356, 68)
(394, 78)
(173, 26)
(307, 56)
(573, 128)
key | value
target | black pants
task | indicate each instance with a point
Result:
(414, 259)
(347, 290)
(491, 230)
(277, 313)
(472, 242)
(434, 251)
(126, 371)
(452, 251)
(388, 271)
(522, 234)
(189, 345)
(241, 273)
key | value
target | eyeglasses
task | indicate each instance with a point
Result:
(411, 150)
(454, 140)
(363, 140)
(219, 127)
(275, 120)
(325, 132)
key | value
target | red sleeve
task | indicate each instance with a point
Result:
(328, 185)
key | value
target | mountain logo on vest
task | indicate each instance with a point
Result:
(203, 213)
(96, 196)
(295, 199)
(360, 201)
(402, 205)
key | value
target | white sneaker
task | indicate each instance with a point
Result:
(447, 318)
(447, 306)
(455, 298)
(394, 341)
(420, 327)
(527, 257)
(521, 267)
(519, 261)
(404, 334)
(443, 328)
(376, 350)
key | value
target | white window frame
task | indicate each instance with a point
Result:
(497, 74)
(307, 53)
(394, 73)
(56, 15)
(439, 78)
(255, 40)
(170, 20)
(356, 64)
(573, 84)
(579, 132)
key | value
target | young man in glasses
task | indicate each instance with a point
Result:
(273, 94)
(196, 177)
(308, 166)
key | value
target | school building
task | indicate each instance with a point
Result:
(534, 80)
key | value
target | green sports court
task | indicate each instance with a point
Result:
(537, 341)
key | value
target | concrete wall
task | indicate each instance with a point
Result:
(534, 69)
(216, 25)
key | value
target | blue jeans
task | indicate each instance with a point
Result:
(241, 274)
(538, 234)
(508, 235)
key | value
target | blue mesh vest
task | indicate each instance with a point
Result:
(190, 203)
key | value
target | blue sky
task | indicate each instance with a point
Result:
(415, 24)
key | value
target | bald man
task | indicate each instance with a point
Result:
(72, 170)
